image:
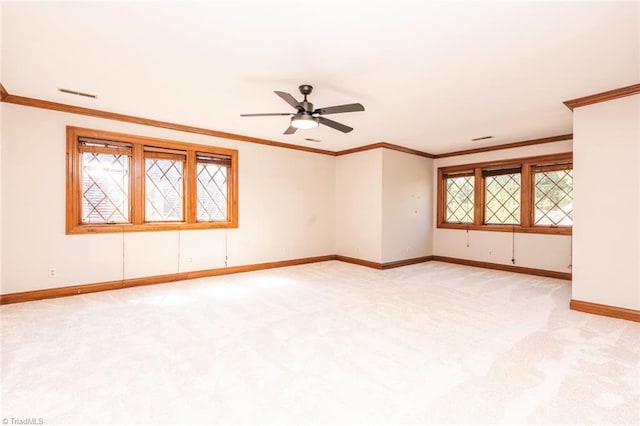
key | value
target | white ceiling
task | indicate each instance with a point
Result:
(431, 75)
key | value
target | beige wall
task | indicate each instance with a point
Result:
(407, 196)
(607, 203)
(376, 205)
(287, 210)
(540, 251)
(383, 205)
(359, 205)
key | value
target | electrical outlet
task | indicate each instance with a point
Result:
(358, 249)
(52, 273)
(490, 253)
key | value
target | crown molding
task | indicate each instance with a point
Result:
(3, 93)
(72, 109)
(5, 96)
(387, 146)
(634, 89)
(56, 106)
(558, 138)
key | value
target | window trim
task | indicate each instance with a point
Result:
(528, 165)
(137, 181)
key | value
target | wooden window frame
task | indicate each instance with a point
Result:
(492, 172)
(202, 157)
(528, 166)
(137, 171)
(545, 168)
(156, 153)
(114, 148)
(456, 174)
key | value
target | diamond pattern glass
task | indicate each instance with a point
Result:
(502, 199)
(212, 192)
(163, 190)
(105, 188)
(554, 198)
(460, 199)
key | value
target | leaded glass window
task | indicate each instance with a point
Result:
(164, 187)
(105, 182)
(212, 187)
(553, 200)
(459, 198)
(502, 197)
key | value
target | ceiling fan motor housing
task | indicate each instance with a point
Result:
(306, 107)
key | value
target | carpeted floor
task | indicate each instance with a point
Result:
(322, 343)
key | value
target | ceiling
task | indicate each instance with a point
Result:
(431, 75)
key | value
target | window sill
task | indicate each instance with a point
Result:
(559, 230)
(147, 227)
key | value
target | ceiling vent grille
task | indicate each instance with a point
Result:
(482, 138)
(73, 92)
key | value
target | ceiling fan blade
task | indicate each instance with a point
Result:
(335, 125)
(288, 99)
(291, 130)
(340, 108)
(266, 114)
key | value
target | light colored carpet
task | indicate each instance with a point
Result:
(322, 343)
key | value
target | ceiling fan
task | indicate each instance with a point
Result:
(308, 118)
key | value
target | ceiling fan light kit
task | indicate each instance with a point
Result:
(304, 121)
(308, 118)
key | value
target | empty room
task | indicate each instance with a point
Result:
(285, 212)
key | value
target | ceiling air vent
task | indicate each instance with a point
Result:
(312, 140)
(73, 92)
(482, 138)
